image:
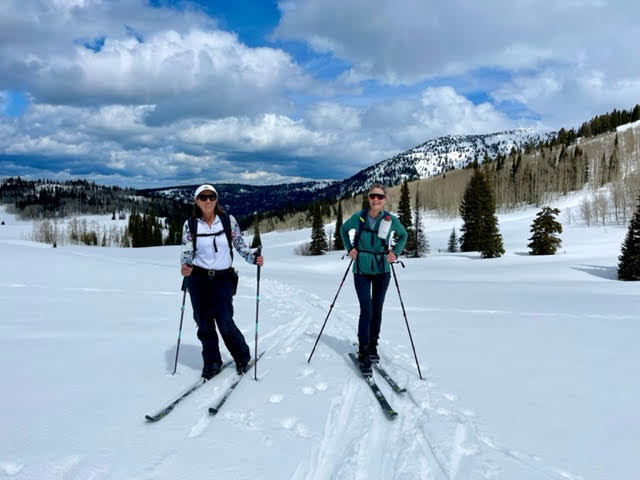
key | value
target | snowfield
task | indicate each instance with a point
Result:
(530, 365)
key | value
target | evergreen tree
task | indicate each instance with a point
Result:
(410, 246)
(405, 218)
(421, 243)
(492, 240)
(404, 207)
(318, 243)
(470, 211)
(257, 241)
(156, 236)
(585, 130)
(480, 222)
(614, 162)
(629, 259)
(134, 229)
(337, 238)
(545, 230)
(175, 233)
(453, 241)
(604, 171)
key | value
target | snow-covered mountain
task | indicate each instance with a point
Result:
(438, 155)
(457, 151)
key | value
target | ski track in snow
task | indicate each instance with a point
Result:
(431, 438)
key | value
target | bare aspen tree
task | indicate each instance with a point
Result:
(600, 206)
(585, 211)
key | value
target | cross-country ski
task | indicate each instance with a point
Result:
(166, 410)
(382, 400)
(227, 393)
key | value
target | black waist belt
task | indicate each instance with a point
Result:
(212, 273)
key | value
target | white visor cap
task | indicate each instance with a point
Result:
(204, 187)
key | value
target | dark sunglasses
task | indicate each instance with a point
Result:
(205, 197)
(379, 196)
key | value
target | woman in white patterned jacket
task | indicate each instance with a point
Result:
(206, 260)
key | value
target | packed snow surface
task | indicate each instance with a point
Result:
(530, 365)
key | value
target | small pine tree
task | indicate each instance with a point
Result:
(318, 243)
(453, 241)
(492, 245)
(404, 207)
(470, 211)
(614, 163)
(337, 238)
(421, 243)
(480, 226)
(629, 259)
(545, 230)
(257, 241)
(405, 219)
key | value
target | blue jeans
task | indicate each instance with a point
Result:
(371, 290)
(212, 302)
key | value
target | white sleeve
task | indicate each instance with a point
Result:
(238, 242)
(186, 254)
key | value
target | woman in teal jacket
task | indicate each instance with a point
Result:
(371, 272)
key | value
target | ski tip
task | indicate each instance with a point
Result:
(213, 411)
(149, 418)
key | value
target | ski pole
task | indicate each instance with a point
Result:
(184, 297)
(395, 278)
(330, 308)
(255, 355)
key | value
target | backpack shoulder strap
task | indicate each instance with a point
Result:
(226, 225)
(362, 221)
(361, 224)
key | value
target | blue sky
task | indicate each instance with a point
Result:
(148, 93)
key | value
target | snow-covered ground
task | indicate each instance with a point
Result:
(530, 366)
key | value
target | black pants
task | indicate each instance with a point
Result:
(212, 302)
(371, 290)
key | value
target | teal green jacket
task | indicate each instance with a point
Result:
(371, 259)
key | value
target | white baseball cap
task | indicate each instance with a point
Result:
(204, 187)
